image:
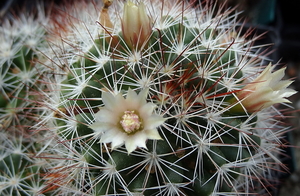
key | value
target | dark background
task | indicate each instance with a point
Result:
(286, 21)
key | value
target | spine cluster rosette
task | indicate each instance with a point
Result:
(143, 98)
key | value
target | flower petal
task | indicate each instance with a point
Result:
(100, 126)
(113, 136)
(130, 146)
(154, 121)
(106, 116)
(112, 102)
(153, 134)
(135, 101)
(282, 85)
(146, 110)
(117, 141)
(136, 140)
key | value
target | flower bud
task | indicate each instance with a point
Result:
(136, 25)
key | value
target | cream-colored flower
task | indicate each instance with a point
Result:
(130, 121)
(136, 25)
(267, 89)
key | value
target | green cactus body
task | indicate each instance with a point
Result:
(160, 115)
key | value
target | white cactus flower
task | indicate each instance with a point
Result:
(130, 121)
(266, 90)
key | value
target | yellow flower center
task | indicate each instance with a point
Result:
(130, 122)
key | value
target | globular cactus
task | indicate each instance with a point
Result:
(145, 98)
(21, 40)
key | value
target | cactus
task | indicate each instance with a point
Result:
(138, 98)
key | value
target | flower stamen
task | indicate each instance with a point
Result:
(130, 122)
